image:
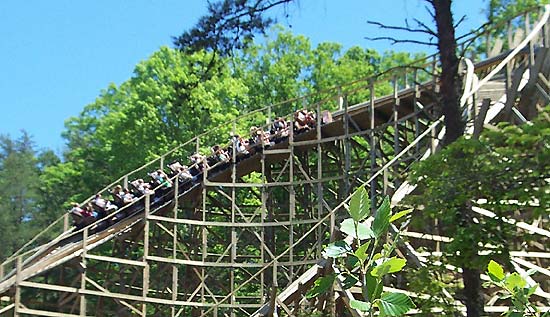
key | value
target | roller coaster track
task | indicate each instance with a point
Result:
(211, 247)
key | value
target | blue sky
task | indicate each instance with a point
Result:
(56, 56)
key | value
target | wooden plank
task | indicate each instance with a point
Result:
(497, 47)
(96, 285)
(276, 151)
(529, 97)
(226, 265)
(288, 294)
(36, 312)
(519, 224)
(274, 184)
(426, 236)
(7, 308)
(532, 266)
(128, 297)
(114, 260)
(18, 281)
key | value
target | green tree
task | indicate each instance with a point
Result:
(145, 116)
(275, 71)
(506, 169)
(21, 202)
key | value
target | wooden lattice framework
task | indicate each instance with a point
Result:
(248, 238)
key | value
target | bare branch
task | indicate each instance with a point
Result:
(423, 25)
(397, 41)
(462, 19)
(399, 28)
(477, 32)
(430, 11)
(254, 9)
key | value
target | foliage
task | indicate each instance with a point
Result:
(435, 281)
(286, 66)
(145, 116)
(229, 25)
(364, 258)
(502, 10)
(505, 172)
(506, 167)
(515, 288)
(23, 206)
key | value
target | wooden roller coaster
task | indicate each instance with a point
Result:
(245, 238)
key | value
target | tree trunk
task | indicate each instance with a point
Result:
(472, 288)
(450, 107)
(449, 82)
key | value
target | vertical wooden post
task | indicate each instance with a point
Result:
(396, 147)
(347, 150)
(487, 44)
(432, 143)
(174, 245)
(273, 295)
(340, 99)
(233, 233)
(204, 250)
(263, 229)
(197, 145)
(65, 222)
(545, 29)
(292, 198)
(531, 43)
(125, 181)
(510, 35)
(161, 166)
(319, 183)
(372, 146)
(292, 211)
(434, 77)
(145, 286)
(416, 110)
(83, 274)
(1, 271)
(18, 280)
(174, 288)
(508, 81)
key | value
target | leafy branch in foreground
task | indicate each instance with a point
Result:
(515, 288)
(364, 258)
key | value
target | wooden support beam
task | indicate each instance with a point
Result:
(480, 119)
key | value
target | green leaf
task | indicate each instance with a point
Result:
(515, 281)
(390, 266)
(363, 231)
(337, 249)
(371, 291)
(351, 262)
(361, 252)
(531, 290)
(360, 305)
(321, 285)
(349, 281)
(382, 218)
(401, 214)
(359, 204)
(495, 271)
(394, 304)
